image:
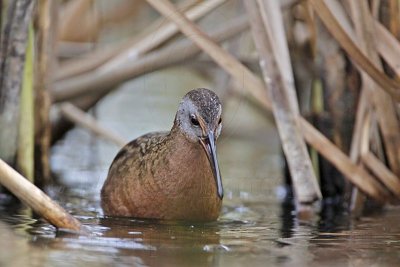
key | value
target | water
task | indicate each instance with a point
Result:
(254, 229)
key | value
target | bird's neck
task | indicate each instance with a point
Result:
(191, 155)
(182, 145)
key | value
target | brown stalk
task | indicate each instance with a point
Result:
(394, 15)
(83, 119)
(392, 87)
(36, 199)
(45, 66)
(375, 8)
(388, 46)
(12, 58)
(382, 172)
(355, 174)
(271, 15)
(383, 103)
(373, 163)
(357, 200)
(363, 109)
(284, 100)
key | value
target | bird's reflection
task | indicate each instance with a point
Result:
(169, 243)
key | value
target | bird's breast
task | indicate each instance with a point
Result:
(188, 184)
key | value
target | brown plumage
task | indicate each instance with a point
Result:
(171, 175)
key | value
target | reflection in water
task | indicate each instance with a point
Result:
(229, 243)
(288, 220)
(172, 243)
(254, 228)
(333, 218)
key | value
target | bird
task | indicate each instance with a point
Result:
(171, 175)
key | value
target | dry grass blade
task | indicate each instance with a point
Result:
(342, 17)
(271, 15)
(362, 109)
(83, 119)
(388, 46)
(392, 87)
(384, 174)
(375, 4)
(355, 174)
(357, 146)
(304, 181)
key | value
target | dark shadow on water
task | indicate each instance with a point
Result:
(333, 217)
(288, 216)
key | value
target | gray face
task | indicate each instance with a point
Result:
(199, 113)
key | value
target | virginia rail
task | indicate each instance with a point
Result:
(171, 175)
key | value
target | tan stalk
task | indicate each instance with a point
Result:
(392, 87)
(83, 119)
(384, 106)
(36, 199)
(269, 39)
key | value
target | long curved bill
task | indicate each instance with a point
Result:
(209, 146)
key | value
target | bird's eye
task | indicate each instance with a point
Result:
(193, 120)
(220, 120)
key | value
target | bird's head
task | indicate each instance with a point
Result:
(199, 119)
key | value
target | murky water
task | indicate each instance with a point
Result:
(254, 229)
